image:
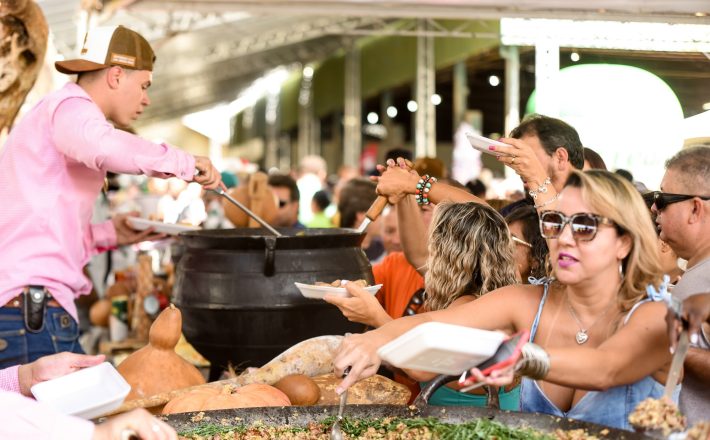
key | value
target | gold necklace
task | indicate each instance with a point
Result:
(581, 337)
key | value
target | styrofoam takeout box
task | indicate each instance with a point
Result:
(441, 348)
(87, 393)
(318, 292)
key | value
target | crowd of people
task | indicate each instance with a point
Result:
(600, 339)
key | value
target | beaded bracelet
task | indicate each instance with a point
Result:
(547, 202)
(542, 189)
(423, 187)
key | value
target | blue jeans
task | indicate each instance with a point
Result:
(60, 332)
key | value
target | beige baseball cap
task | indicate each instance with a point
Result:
(107, 46)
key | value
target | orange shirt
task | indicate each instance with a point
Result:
(399, 281)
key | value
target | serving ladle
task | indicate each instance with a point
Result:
(248, 211)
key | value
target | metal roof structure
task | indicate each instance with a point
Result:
(209, 50)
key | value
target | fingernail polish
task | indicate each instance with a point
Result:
(491, 147)
(694, 338)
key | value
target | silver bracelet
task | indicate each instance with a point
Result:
(542, 189)
(534, 362)
(547, 202)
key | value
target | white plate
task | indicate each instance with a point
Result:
(142, 224)
(87, 393)
(482, 143)
(318, 292)
(441, 348)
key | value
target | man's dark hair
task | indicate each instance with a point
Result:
(477, 188)
(693, 167)
(322, 199)
(394, 153)
(594, 159)
(356, 196)
(285, 181)
(553, 134)
(625, 174)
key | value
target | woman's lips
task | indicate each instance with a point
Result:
(565, 260)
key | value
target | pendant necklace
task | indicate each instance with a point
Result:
(581, 337)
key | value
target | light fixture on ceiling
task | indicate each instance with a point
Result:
(392, 111)
(308, 72)
(436, 99)
(701, 14)
(494, 80)
(412, 106)
(372, 118)
(574, 56)
(706, 106)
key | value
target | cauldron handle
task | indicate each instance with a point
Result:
(269, 255)
(422, 399)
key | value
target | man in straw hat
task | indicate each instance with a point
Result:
(52, 169)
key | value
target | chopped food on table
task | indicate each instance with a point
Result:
(657, 414)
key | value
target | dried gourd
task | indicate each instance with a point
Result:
(156, 368)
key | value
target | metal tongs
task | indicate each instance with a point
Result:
(336, 433)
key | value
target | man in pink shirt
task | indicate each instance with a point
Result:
(52, 169)
(31, 419)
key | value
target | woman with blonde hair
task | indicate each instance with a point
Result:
(599, 346)
(470, 253)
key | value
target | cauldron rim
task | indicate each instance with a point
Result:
(259, 238)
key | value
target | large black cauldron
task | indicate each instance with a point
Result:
(236, 290)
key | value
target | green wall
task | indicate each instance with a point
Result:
(385, 62)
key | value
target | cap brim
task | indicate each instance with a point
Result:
(77, 66)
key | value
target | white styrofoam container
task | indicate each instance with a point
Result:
(87, 393)
(441, 348)
(318, 292)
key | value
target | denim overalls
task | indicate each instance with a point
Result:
(611, 407)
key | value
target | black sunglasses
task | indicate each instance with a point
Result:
(584, 225)
(661, 199)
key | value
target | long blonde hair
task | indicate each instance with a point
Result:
(612, 196)
(470, 253)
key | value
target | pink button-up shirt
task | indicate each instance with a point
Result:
(52, 168)
(27, 419)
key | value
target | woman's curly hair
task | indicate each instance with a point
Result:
(470, 253)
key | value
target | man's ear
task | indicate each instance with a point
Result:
(113, 76)
(699, 212)
(561, 158)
